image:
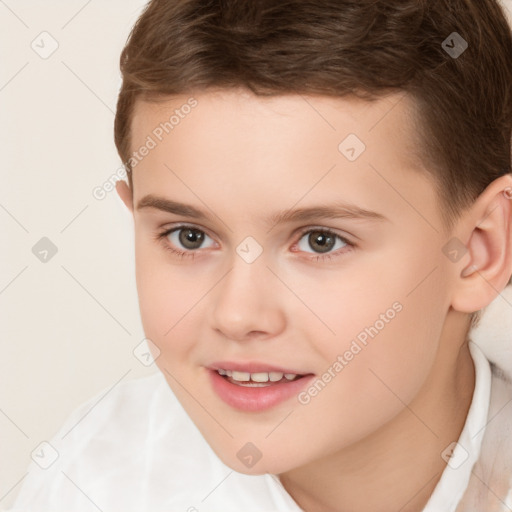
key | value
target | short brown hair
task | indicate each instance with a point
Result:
(366, 48)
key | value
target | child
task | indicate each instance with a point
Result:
(344, 377)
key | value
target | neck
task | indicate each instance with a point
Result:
(398, 466)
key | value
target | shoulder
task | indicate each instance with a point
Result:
(115, 408)
(98, 440)
(490, 483)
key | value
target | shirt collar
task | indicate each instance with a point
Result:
(455, 478)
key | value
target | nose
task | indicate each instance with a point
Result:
(247, 303)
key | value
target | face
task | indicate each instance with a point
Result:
(349, 303)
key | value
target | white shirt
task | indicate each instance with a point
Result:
(455, 477)
(135, 449)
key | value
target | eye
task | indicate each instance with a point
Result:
(191, 238)
(324, 241)
(188, 237)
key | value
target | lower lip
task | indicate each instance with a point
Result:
(255, 399)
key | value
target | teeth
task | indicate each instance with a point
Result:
(241, 376)
(259, 377)
(256, 377)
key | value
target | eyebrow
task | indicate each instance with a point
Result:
(337, 210)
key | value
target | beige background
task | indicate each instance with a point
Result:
(68, 326)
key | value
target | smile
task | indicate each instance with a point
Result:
(256, 391)
(255, 379)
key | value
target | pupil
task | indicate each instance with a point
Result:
(323, 241)
(191, 236)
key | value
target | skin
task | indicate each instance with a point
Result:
(371, 439)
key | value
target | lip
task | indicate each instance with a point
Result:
(255, 399)
(252, 367)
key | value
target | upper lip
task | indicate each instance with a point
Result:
(252, 367)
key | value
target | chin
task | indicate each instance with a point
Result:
(273, 465)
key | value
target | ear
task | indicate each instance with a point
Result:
(125, 193)
(488, 228)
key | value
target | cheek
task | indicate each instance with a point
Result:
(384, 348)
(169, 297)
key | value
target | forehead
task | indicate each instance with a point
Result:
(240, 105)
(279, 118)
(266, 148)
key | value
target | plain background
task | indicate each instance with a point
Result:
(68, 325)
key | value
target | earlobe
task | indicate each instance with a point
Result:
(489, 247)
(125, 193)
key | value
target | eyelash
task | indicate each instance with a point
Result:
(161, 237)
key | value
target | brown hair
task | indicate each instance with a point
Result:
(366, 48)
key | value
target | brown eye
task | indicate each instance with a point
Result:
(321, 241)
(184, 239)
(190, 238)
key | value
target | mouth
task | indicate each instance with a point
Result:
(256, 387)
(257, 379)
